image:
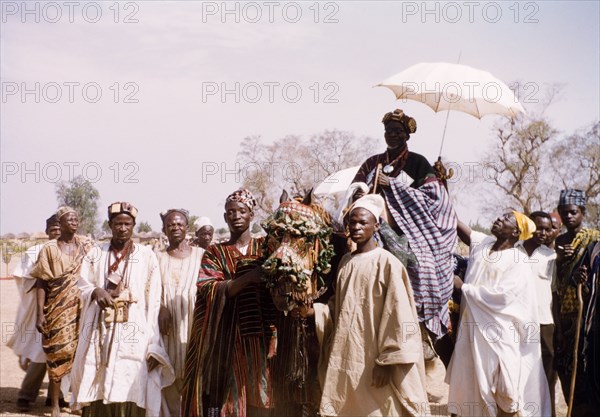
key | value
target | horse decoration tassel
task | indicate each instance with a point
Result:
(299, 255)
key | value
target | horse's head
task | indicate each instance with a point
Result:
(299, 252)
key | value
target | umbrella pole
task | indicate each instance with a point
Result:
(444, 135)
(575, 349)
(377, 171)
(447, 116)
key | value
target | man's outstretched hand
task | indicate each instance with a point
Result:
(381, 376)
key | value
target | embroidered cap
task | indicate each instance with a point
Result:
(398, 115)
(122, 207)
(64, 210)
(571, 196)
(242, 196)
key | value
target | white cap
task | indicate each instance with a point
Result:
(372, 202)
(201, 222)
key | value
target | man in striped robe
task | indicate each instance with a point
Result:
(229, 359)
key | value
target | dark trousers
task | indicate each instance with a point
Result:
(127, 409)
(582, 403)
(547, 343)
(30, 387)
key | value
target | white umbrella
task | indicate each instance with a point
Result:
(336, 183)
(444, 86)
(332, 192)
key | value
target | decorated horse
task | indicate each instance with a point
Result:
(299, 255)
(299, 249)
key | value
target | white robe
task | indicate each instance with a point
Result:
(179, 277)
(126, 378)
(497, 357)
(543, 272)
(26, 341)
(372, 320)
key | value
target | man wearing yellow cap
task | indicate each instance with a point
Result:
(496, 368)
(542, 261)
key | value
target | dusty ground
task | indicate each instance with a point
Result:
(11, 375)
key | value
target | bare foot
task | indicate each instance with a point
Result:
(55, 411)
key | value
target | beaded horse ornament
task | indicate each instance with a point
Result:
(299, 254)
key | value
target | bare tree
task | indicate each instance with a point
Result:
(529, 162)
(515, 162)
(297, 164)
(334, 150)
(256, 159)
(575, 163)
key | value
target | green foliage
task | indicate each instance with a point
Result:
(13, 246)
(81, 195)
(191, 225)
(144, 227)
(222, 231)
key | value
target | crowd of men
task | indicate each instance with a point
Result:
(193, 331)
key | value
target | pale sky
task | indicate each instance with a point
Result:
(152, 117)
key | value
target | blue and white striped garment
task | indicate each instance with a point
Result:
(425, 215)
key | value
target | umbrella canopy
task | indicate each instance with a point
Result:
(331, 193)
(444, 86)
(336, 183)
